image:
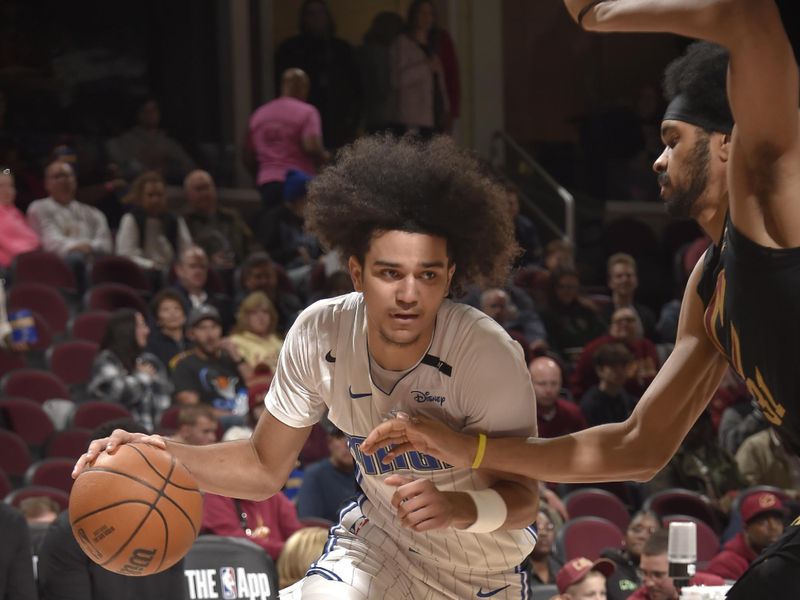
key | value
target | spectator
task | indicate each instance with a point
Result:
(764, 460)
(544, 564)
(220, 231)
(67, 573)
(6, 330)
(555, 415)
(146, 147)
(608, 402)
(255, 334)
(260, 274)
(762, 514)
(742, 417)
(654, 571)
(283, 232)
(39, 512)
(168, 338)
(625, 328)
(212, 373)
(197, 425)
(569, 319)
(514, 310)
(73, 230)
(300, 551)
(268, 523)
(376, 68)
(16, 563)
(123, 373)
(284, 134)
(700, 465)
(524, 229)
(623, 281)
(329, 483)
(625, 579)
(150, 234)
(191, 272)
(582, 578)
(422, 104)
(16, 236)
(332, 70)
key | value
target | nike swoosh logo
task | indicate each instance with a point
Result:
(489, 594)
(330, 357)
(352, 395)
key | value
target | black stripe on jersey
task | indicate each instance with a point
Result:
(438, 363)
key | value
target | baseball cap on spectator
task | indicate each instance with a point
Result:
(201, 313)
(760, 503)
(295, 185)
(576, 569)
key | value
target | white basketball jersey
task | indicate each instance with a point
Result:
(473, 378)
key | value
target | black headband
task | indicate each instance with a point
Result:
(681, 109)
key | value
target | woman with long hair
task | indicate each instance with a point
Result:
(150, 234)
(123, 373)
(255, 333)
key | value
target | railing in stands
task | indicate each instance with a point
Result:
(501, 143)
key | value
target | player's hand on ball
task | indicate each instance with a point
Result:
(111, 443)
(404, 433)
(422, 507)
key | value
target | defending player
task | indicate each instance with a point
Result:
(416, 222)
(742, 302)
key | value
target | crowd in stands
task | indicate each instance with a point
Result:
(190, 305)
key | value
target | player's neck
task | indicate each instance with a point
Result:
(712, 219)
(397, 357)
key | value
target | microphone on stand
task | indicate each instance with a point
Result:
(682, 552)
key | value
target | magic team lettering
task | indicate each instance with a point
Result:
(410, 461)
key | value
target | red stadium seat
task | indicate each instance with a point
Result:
(27, 419)
(34, 384)
(678, 501)
(45, 267)
(15, 457)
(51, 472)
(43, 299)
(10, 361)
(90, 325)
(120, 269)
(111, 296)
(44, 335)
(707, 541)
(32, 491)
(5, 484)
(594, 502)
(70, 443)
(90, 415)
(587, 536)
(72, 361)
(169, 418)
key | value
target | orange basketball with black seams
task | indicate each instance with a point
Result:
(137, 511)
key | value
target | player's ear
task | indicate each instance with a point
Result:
(724, 146)
(356, 273)
(450, 272)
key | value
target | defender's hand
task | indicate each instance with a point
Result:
(424, 435)
(111, 443)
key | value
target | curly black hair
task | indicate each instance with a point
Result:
(382, 183)
(700, 74)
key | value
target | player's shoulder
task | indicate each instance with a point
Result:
(329, 310)
(463, 332)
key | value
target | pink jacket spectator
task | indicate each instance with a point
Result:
(277, 130)
(16, 236)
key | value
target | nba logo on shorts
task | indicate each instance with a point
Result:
(228, 579)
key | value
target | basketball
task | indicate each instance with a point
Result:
(137, 511)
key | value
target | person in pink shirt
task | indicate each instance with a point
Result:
(284, 134)
(16, 236)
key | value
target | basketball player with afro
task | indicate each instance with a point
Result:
(415, 222)
(741, 183)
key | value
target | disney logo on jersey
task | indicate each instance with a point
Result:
(422, 397)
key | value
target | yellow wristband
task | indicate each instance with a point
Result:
(481, 451)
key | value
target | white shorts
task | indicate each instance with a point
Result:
(363, 558)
